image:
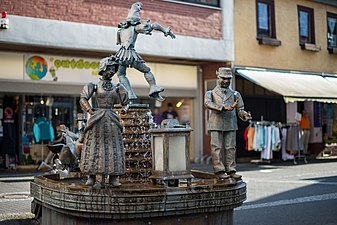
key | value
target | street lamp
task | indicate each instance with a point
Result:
(170, 154)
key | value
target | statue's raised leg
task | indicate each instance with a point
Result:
(154, 89)
(149, 77)
(121, 73)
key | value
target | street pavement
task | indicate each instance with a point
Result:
(15, 200)
(287, 194)
(280, 193)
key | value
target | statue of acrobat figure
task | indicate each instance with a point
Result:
(127, 56)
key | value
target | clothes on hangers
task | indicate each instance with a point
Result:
(248, 136)
(294, 138)
(43, 130)
(263, 137)
(285, 155)
(245, 137)
(266, 137)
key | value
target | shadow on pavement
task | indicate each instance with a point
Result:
(312, 204)
(19, 222)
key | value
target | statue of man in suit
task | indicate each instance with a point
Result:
(224, 105)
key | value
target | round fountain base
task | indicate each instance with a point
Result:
(68, 202)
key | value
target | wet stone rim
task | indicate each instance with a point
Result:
(118, 204)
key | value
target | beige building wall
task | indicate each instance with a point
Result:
(289, 55)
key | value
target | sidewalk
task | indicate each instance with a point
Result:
(28, 172)
(247, 166)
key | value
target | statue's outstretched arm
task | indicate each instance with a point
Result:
(147, 28)
(166, 30)
(239, 105)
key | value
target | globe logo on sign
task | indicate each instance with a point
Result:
(36, 67)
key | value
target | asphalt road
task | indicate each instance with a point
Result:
(277, 194)
(287, 194)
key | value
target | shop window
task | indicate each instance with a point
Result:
(306, 25)
(332, 32)
(209, 85)
(45, 113)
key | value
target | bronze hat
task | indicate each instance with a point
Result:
(105, 62)
(224, 72)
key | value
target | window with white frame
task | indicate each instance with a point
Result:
(332, 30)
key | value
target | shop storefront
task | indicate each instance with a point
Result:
(281, 96)
(40, 90)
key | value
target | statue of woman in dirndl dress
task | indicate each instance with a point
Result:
(103, 150)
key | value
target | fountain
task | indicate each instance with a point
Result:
(158, 186)
(139, 200)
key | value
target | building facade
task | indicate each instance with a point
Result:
(285, 61)
(52, 48)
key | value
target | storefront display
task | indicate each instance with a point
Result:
(41, 116)
(46, 88)
(329, 123)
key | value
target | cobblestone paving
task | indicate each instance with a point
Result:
(15, 200)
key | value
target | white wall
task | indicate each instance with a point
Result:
(11, 65)
(89, 37)
(291, 112)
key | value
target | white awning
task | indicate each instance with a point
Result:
(294, 86)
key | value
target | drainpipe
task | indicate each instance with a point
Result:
(198, 122)
(227, 7)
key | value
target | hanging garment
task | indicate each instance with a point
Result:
(250, 138)
(245, 133)
(285, 155)
(266, 152)
(255, 139)
(294, 139)
(275, 138)
(43, 130)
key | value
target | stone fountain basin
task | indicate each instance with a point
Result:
(69, 199)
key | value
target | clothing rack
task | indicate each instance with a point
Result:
(290, 125)
(299, 154)
(264, 123)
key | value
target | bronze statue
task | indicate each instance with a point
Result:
(103, 150)
(65, 159)
(127, 55)
(224, 105)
